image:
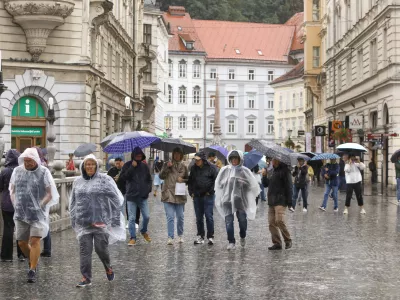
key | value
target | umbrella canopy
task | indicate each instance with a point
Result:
(296, 156)
(272, 150)
(84, 149)
(351, 147)
(169, 144)
(220, 151)
(109, 138)
(263, 163)
(252, 158)
(309, 154)
(324, 156)
(395, 156)
(289, 150)
(128, 141)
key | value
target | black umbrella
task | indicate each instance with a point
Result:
(272, 150)
(84, 149)
(109, 138)
(169, 144)
(395, 156)
(309, 154)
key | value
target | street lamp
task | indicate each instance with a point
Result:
(342, 116)
(169, 133)
(289, 132)
(127, 102)
(51, 136)
(139, 117)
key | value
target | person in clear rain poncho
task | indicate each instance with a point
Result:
(33, 192)
(236, 190)
(96, 216)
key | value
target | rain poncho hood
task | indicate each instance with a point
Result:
(96, 202)
(236, 189)
(27, 190)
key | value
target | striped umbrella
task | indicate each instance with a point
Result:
(128, 141)
(324, 156)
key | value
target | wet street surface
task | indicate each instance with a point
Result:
(334, 256)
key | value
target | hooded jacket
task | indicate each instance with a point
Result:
(300, 176)
(333, 173)
(280, 189)
(170, 176)
(202, 179)
(11, 162)
(138, 181)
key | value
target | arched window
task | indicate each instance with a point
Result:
(182, 95)
(196, 95)
(182, 69)
(196, 69)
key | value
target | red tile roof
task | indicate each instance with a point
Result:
(296, 72)
(297, 20)
(221, 39)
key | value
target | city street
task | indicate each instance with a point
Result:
(333, 257)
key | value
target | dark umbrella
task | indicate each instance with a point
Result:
(169, 144)
(272, 150)
(395, 156)
(128, 141)
(109, 138)
(295, 156)
(252, 158)
(84, 149)
(220, 151)
(309, 154)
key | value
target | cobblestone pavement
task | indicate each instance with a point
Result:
(333, 257)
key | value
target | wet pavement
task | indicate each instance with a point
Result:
(333, 257)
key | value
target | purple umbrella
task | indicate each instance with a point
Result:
(128, 141)
(220, 151)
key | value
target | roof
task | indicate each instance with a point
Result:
(182, 27)
(245, 41)
(297, 20)
(296, 72)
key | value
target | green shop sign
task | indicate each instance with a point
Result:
(26, 131)
(28, 107)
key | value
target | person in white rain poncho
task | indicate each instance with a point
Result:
(236, 190)
(96, 216)
(32, 192)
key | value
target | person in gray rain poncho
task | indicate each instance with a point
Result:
(32, 192)
(96, 216)
(236, 190)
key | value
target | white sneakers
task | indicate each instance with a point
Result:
(346, 211)
(231, 246)
(180, 239)
(322, 208)
(362, 211)
(170, 241)
(242, 242)
(304, 209)
(199, 240)
(291, 209)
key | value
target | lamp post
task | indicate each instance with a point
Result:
(289, 132)
(51, 136)
(127, 118)
(139, 117)
(3, 88)
(342, 116)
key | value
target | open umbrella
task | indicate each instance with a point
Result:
(309, 154)
(220, 151)
(289, 150)
(351, 147)
(84, 149)
(128, 141)
(169, 144)
(395, 156)
(109, 138)
(252, 158)
(295, 156)
(272, 150)
(325, 156)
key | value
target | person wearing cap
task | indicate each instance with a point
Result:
(300, 175)
(201, 188)
(353, 170)
(32, 192)
(212, 158)
(330, 173)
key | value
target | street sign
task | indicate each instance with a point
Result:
(355, 122)
(300, 132)
(336, 125)
(320, 130)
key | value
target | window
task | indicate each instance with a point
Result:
(270, 127)
(270, 104)
(189, 45)
(280, 129)
(130, 82)
(117, 68)
(211, 126)
(231, 101)
(252, 74)
(196, 122)
(124, 74)
(196, 95)
(170, 68)
(373, 57)
(147, 74)
(300, 124)
(280, 102)
(231, 74)
(348, 72)
(211, 102)
(109, 62)
(182, 69)
(360, 62)
(251, 100)
(301, 100)
(294, 127)
(287, 101)
(251, 126)
(316, 10)
(231, 126)
(170, 93)
(339, 77)
(384, 47)
(196, 69)
(182, 122)
(294, 101)
(270, 76)
(182, 95)
(316, 57)
(168, 122)
(374, 119)
(147, 34)
(213, 73)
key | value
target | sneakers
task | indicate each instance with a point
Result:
(31, 276)
(170, 241)
(231, 246)
(211, 241)
(322, 208)
(21, 258)
(136, 226)
(346, 211)
(291, 209)
(336, 209)
(288, 244)
(110, 274)
(132, 242)
(199, 240)
(242, 242)
(84, 282)
(275, 247)
(180, 239)
(45, 254)
(304, 209)
(127, 225)
(362, 211)
(6, 260)
(146, 237)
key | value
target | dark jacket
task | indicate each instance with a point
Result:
(342, 164)
(138, 182)
(333, 171)
(201, 180)
(114, 171)
(280, 190)
(11, 162)
(300, 176)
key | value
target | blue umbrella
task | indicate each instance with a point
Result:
(324, 156)
(128, 141)
(262, 163)
(220, 151)
(252, 158)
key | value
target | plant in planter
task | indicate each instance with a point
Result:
(290, 144)
(342, 135)
(298, 148)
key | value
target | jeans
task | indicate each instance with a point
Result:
(357, 188)
(334, 190)
(304, 195)
(127, 212)
(204, 206)
(230, 228)
(277, 225)
(172, 209)
(398, 188)
(7, 243)
(262, 194)
(143, 204)
(47, 244)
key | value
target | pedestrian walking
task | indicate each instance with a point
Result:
(236, 190)
(280, 194)
(310, 175)
(212, 158)
(342, 173)
(201, 188)
(353, 170)
(136, 175)
(174, 172)
(96, 216)
(300, 175)
(7, 209)
(330, 173)
(70, 165)
(157, 181)
(32, 191)
(373, 170)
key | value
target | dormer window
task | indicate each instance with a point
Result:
(187, 41)
(189, 46)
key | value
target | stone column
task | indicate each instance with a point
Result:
(217, 118)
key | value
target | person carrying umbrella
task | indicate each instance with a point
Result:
(174, 172)
(352, 171)
(212, 158)
(330, 173)
(300, 184)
